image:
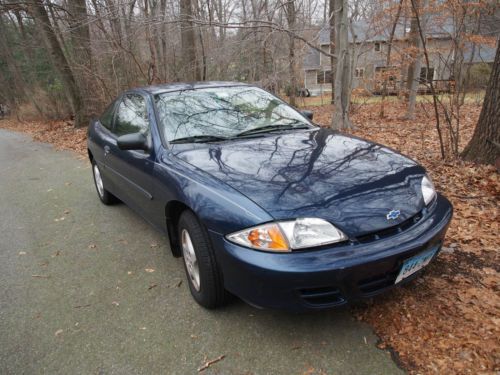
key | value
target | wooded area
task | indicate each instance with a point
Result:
(62, 58)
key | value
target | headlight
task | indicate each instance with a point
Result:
(264, 237)
(283, 236)
(428, 191)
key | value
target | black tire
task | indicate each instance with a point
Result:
(105, 196)
(210, 292)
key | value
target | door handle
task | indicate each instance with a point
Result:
(106, 150)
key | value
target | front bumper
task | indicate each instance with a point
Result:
(323, 278)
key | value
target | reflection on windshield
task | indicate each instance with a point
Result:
(222, 112)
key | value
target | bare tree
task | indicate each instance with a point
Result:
(291, 19)
(413, 80)
(331, 23)
(388, 58)
(484, 147)
(340, 119)
(188, 42)
(81, 54)
(56, 53)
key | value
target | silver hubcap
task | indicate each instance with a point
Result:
(98, 180)
(190, 259)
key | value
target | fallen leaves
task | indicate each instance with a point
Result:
(448, 320)
(60, 133)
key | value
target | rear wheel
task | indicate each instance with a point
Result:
(105, 196)
(204, 277)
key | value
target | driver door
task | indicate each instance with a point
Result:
(131, 170)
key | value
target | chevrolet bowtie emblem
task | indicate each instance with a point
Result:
(393, 214)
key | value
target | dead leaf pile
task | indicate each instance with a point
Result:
(60, 133)
(448, 321)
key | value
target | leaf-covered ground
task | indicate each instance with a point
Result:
(60, 133)
(447, 321)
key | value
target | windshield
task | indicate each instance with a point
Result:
(222, 113)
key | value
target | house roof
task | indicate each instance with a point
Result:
(365, 31)
(312, 60)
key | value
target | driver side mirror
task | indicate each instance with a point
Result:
(134, 141)
(307, 113)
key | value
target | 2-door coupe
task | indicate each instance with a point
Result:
(262, 203)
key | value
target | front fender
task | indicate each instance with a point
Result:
(221, 208)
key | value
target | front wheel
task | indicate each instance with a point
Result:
(105, 196)
(204, 277)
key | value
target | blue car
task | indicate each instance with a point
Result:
(260, 202)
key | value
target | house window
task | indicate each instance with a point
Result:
(377, 47)
(324, 77)
(426, 75)
(359, 72)
(310, 78)
(328, 76)
(387, 72)
(321, 77)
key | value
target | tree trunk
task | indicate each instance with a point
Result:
(484, 147)
(190, 62)
(388, 58)
(81, 51)
(163, 39)
(153, 66)
(340, 119)
(14, 89)
(292, 69)
(331, 22)
(61, 63)
(414, 68)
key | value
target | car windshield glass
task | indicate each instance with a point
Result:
(223, 113)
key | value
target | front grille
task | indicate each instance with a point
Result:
(388, 232)
(324, 296)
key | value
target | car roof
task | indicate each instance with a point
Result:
(178, 86)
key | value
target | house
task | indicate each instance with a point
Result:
(369, 44)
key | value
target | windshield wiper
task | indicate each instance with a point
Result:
(199, 139)
(271, 128)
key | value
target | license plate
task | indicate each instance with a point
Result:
(416, 263)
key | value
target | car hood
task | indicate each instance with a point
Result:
(348, 181)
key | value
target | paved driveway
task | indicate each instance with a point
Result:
(90, 289)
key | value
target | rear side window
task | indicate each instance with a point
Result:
(131, 116)
(107, 117)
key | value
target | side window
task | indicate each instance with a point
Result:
(132, 116)
(106, 118)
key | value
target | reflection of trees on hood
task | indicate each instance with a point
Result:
(306, 166)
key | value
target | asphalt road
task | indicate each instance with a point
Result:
(90, 289)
